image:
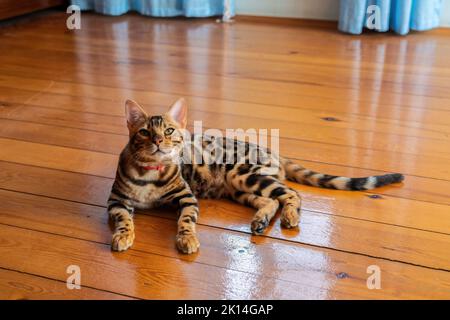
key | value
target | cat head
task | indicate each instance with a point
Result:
(156, 140)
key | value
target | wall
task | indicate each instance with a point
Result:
(312, 9)
(445, 15)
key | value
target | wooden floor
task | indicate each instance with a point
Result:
(351, 105)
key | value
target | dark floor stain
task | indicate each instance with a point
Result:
(374, 196)
(330, 119)
(342, 275)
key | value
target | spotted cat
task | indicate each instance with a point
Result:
(152, 171)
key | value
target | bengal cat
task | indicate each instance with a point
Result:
(152, 172)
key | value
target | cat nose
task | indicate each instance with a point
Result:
(157, 139)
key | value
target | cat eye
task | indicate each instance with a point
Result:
(169, 131)
(144, 132)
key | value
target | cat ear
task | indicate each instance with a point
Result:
(135, 114)
(178, 112)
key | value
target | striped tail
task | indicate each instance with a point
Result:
(297, 173)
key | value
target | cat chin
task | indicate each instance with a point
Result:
(165, 157)
(171, 155)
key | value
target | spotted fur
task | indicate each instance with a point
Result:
(151, 172)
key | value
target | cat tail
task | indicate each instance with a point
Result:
(299, 174)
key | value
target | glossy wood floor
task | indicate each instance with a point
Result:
(344, 105)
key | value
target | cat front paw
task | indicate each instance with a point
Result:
(121, 241)
(259, 225)
(187, 243)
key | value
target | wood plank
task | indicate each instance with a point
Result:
(394, 82)
(241, 252)
(323, 107)
(244, 90)
(83, 38)
(282, 38)
(140, 274)
(21, 286)
(75, 160)
(316, 127)
(333, 231)
(13, 98)
(244, 77)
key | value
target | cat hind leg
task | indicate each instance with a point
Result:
(266, 209)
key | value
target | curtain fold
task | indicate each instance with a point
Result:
(157, 8)
(401, 16)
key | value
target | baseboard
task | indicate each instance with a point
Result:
(288, 21)
(313, 23)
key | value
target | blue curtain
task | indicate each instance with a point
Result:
(157, 8)
(401, 16)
